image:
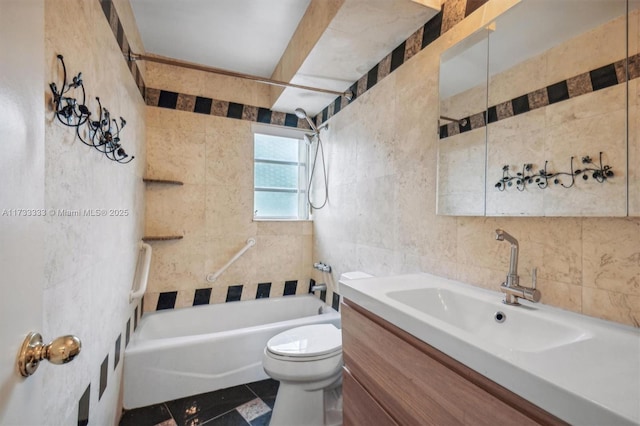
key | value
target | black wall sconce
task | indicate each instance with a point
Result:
(99, 131)
(599, 173)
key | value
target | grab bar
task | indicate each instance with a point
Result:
(142, 275)
(250, 243)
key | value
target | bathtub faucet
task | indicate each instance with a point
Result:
(319, 287)
(322, 267)
(511, 287)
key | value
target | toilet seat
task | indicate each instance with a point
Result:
(306, 343)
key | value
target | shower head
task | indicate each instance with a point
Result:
(300, 113)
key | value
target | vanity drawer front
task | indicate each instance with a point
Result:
(360, 409)
(418, 385)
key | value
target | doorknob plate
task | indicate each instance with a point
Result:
(29, 357)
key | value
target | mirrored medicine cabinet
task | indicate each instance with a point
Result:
(537, 115)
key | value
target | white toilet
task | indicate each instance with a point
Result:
(308, 363)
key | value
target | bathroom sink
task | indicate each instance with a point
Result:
(513, 328)
(580, 369)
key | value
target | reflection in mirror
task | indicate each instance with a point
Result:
(557, 94)
(634, 112)
(462, 143)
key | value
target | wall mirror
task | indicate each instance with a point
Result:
(462, 145)
(557, 116)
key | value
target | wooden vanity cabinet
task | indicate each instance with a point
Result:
(393, 378)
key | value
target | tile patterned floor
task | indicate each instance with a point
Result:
(242, 405)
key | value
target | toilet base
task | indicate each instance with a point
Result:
(300, 407)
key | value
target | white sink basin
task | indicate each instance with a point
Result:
(583, 370)
(518, 329)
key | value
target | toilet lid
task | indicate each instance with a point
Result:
(306, 341)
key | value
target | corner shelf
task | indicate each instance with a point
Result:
(150, 238)
(163, 181)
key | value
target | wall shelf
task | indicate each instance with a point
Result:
(150, 238)
(163, 181)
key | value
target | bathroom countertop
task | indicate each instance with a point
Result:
(580, 369)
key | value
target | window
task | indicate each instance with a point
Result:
(280, 176)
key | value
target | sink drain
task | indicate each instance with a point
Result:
(500, 316)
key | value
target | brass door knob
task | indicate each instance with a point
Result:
(59, 351)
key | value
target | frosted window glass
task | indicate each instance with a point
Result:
(276, 204)
(276, 176)
(276, 148)
(280, 177)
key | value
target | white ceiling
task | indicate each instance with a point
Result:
(250, 36)
(362, 33)
(247, 36)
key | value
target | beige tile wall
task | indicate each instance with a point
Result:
(381, 218)
(213, 210)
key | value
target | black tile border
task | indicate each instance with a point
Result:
(111, 14)
(209, 106)
(166, 300)
(127, 333)
(104, 376)
(263, 291)
(290, 288)
(571, 88)
(202, 296)
(83, 407)
(118, 345)
(335, 302)
(234, 293)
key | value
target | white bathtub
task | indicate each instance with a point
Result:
(181, 352)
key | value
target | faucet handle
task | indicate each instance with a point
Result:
(534, 277)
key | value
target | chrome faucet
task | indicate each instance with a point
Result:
(319, 287)
(511, 287)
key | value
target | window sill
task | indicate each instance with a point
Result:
(281, 220)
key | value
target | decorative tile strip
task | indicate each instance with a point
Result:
(202, 296)
(582, 84)
(190, 103)
(111, 14)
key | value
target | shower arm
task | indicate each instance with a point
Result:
(191, 65)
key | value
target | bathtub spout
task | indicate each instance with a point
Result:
(319, 287)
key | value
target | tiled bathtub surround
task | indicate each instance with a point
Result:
(213, 210)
